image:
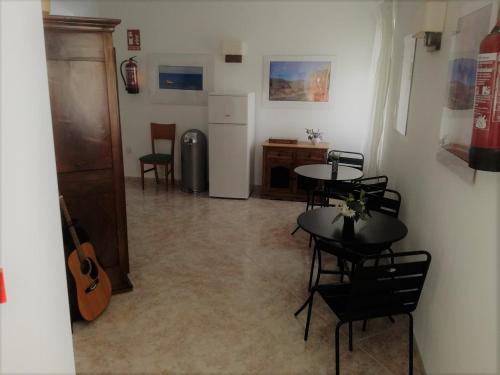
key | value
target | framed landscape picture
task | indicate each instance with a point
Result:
(184, 79)
(298, 81)
(173, 77)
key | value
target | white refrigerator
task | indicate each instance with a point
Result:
(231, 140)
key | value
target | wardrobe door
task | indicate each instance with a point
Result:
(87, 139)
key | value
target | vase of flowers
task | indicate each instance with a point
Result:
(352, 209)
(314, 136)
(348, 227)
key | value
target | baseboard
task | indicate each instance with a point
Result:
(419, 358)
(148, 178)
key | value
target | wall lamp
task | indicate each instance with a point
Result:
(233, 51)
(433, 25)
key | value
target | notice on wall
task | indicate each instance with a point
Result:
(458, 111)
(406, 78)
(134, 40)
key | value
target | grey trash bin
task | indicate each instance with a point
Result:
(194, 161)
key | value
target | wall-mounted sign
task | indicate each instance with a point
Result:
(134, 39)
(457, 115)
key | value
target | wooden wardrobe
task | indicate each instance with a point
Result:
(86, 125)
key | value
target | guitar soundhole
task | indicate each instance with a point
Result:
(88, 267)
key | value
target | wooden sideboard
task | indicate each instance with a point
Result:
(279, 181)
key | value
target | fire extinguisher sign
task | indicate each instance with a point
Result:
(134, 40)
(485, 79)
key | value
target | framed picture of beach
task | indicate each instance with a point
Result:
(184, 79)
(171, 77)
(298, 81)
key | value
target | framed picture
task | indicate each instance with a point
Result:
(184, 79)
(457, 116)
(298, 81)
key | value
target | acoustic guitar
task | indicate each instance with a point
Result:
(93, 288)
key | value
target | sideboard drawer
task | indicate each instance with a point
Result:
(311, 155)
(280, 154)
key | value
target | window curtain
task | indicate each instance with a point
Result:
(380, 83)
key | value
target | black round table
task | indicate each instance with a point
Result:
(324, 172)
(378, 232)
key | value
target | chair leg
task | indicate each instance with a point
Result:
(172, 173)
(312, 268)
(302, 307)
(364, 325)
(310, 239)
(337, 348)
(166, 177)
(295, 230)
(392, 253)
(341, 265)
(156, 174)
(410, 345)
(319, 268)
(350, 336)
(142, 174)
(309, 312)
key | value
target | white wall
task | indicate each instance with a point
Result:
(455, 219)
(35, 333)
(341, 28)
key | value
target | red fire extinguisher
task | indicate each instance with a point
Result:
(130, 78)
(485, 144)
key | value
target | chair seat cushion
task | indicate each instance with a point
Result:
(156, 158)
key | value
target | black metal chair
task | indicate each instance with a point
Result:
(309, 185)
(382, 289)
(348, 158)
(389, 203)
(339, 188)
(343, 256)
(374, 187)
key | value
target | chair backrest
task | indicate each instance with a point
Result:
(348, 158)
(387, 284)
(390, 203)
(374, 187)
(163, 131)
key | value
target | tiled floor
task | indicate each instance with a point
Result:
(216, 284)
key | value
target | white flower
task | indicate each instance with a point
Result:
(345, 210)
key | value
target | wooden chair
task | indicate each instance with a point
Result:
(160, 131)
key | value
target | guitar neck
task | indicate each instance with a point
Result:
(71, 228)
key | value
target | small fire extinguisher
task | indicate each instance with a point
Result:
(130, 78)
(485, 144)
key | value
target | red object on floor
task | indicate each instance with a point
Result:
(3, 294)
